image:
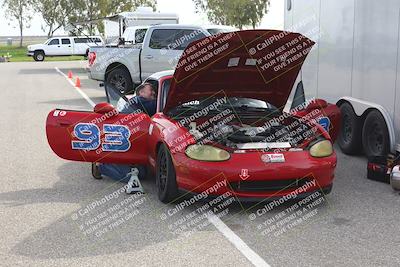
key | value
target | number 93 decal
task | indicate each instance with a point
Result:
(116, 137)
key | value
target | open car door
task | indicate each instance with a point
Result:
(105, 135)
(326, 114)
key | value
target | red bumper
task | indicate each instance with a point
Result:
(300, 173)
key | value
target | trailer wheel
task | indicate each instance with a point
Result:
(375, 135)
(38, 55)
(350, 134)
(120, 79)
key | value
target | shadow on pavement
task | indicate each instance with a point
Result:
(65, 237)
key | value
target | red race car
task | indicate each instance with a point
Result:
(232, 117)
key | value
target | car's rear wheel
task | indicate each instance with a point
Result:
(350, 134)
(120, 79)
(38, 56)
(167, 188)
(375, 136)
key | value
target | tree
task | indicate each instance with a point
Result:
(83, 10)
(54, 13)
(118, 6)
(238, 13)
(20, 11)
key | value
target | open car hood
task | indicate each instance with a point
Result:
(259, 64)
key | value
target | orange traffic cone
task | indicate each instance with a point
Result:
(78, 82)
(70, 74)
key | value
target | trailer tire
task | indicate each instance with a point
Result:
(120, 78)
(38, 55)
(375, 135)
(350, 133)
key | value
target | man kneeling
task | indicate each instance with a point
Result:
(132, 174)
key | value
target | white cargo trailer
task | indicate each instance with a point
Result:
(115, 26)
(355, 64)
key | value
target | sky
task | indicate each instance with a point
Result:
(184, 8)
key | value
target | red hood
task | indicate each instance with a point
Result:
(260, 64)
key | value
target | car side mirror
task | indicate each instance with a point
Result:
(317, 104)
(105, 108)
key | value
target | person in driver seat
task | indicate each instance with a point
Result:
(144, 101)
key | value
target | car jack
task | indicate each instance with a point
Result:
(134, 185)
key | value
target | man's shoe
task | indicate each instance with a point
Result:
(96, 172)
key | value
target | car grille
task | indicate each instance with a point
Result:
(270, 185)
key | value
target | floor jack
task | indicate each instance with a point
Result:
(134, 185)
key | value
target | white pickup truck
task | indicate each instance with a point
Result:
(63, 46)
(128, 65)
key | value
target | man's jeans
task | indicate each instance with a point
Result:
(120, 172)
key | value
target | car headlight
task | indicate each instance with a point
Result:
(206, 153)
(321, 149)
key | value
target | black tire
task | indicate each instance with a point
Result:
(96, 172)
(375, 135)
(167, 188)
(327, 190)
(38, 56)
(350, 132)
(142, 171)
(120, 78)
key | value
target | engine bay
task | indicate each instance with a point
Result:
(251, 134)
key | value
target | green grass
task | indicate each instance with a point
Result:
(18, 54)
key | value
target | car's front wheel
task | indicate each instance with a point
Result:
(167, 188)
(38, 56)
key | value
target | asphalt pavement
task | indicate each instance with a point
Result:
(53, 213)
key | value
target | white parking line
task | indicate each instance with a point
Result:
(76, 88)
(252, 256)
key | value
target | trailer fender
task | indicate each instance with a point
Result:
(361, 108)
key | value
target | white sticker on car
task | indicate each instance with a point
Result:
(273, 158)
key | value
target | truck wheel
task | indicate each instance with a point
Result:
(350, 134)
(375, 135)
(120, 79)
(167, 188)
(38, 56)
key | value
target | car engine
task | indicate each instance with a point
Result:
(244, 136)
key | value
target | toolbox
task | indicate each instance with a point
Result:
(380, 167)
